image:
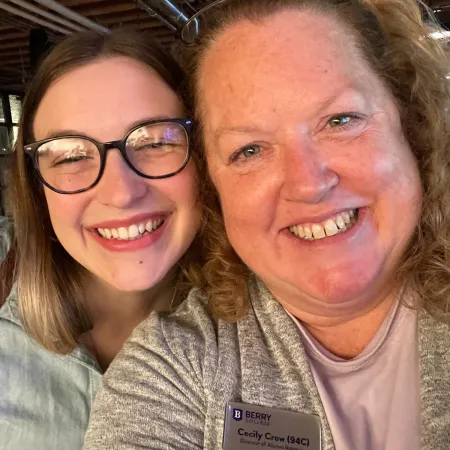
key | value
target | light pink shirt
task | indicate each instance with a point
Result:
(372, 401)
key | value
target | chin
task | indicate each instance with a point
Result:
(134, 280)
(345, 287)
(132, 287)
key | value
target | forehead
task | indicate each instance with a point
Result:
(279, 64)
(102, 99)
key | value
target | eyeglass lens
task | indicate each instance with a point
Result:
(72, 164)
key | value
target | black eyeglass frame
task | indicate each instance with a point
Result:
(103, 147)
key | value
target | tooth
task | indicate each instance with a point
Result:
(351, 213)
(107, 234)
(318, 231)
(148, 226)
(340, 222)
(330, 227)
(300, 231)
(123, 233)
(308, 231)
(133, 231)
(346, 217)
(142, 228)
(101, 231)
(115, 233)
(293, 230)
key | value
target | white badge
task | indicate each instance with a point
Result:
(249, 427)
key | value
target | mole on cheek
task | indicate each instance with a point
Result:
(140, 262)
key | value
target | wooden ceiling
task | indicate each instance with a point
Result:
(15, 68)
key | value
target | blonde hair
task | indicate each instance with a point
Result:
(393, 37)
(49, 280)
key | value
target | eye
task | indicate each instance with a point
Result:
(250, 151)
(342, 120)
(152, 145)
(71, 160)
(246, 152)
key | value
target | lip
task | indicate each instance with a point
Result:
(117, 245)
(323, 217)
(140, 218)
(347, 236)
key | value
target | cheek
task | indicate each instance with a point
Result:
(383, 165)
(389, 176)
(66, 211)
(233, 200)
(183, 189)
(247, 202)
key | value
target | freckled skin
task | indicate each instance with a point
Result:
(276, 84)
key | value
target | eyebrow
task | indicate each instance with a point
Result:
(234, 130)
(320, 107)
(71, 132)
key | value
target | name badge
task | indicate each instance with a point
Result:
(250, 427)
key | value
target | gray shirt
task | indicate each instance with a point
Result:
(169, 387)
(372, 402)
(45, 399)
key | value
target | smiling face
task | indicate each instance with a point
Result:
(319, 189)
(129, 231)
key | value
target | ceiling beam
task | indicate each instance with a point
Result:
(13, 34)
(18, 44)
(74, 3)
(5, 26)
(6, 53)
(15, 60)
(117, 18)
(9, 71)
(100, 9)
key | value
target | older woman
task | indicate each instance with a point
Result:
(324, 127)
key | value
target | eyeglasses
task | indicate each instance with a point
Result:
(73, 164)
(192, 29)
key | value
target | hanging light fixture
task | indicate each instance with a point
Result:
(167, 11)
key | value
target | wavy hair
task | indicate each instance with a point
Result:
(49, 281)
(395, 39)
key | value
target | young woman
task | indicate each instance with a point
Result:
(104, 201)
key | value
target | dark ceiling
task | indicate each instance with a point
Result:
(15, 29)
(15, 63)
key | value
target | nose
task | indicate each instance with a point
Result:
(307, 175)
(120, 186)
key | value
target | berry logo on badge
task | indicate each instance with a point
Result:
(237, 414)
(248, 426)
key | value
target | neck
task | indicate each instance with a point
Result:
(105, 303)
(115, 313)
(346, 334)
